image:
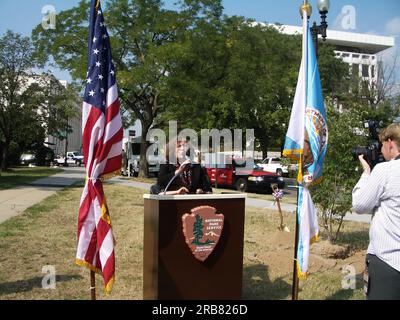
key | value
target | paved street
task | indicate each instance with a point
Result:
(14, 201)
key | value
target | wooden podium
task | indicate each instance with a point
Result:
(170, 269)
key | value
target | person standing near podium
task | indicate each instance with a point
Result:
(183, 176)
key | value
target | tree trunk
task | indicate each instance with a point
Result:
(263, 140)
(143, 165)
(5, 156)
(66, 150)
(264, 148)
(1, 155)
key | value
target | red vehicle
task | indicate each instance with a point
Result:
(243, 175)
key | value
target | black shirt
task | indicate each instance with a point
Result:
(195, 177)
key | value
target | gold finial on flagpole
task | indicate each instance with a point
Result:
(307, 7)
(97, 4)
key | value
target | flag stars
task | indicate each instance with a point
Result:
(101, 73)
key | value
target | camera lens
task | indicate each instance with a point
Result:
(359, 151)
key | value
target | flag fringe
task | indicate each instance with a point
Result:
(293, 154)
(110, 175)
(314, 239)
(108, 286)
(105, 215)
(106, 176)
(300, 173)
(303, 275)
(88, 265)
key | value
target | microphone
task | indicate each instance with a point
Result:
(178, 174)
(170, 181)
(190, 163)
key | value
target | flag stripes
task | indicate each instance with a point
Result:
(102, 135)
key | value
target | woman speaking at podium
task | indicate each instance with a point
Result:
(185, 176)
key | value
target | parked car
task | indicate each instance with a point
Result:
(241, 176)
(75, 157)
(60, 161)
(274, 164)
(27, 158)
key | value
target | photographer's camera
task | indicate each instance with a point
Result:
(372, 152)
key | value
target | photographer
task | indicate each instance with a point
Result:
(379, 192)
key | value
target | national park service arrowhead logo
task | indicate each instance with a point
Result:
(202, 230)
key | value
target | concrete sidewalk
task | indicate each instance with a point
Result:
(250, 202)
(15, 201)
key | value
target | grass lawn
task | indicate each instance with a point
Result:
(46, 235)
(22, 175)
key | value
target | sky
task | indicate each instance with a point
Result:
(373, 17)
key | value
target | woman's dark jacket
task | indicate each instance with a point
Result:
(199, 178)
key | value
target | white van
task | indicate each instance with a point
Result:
(132, 149)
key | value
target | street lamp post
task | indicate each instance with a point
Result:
(323, 8)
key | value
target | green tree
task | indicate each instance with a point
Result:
(31, 105)
(333, 194)
(234, 74)
(144, 37)
(198, 230)
(18, 111)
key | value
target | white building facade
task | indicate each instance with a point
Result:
(360, 51)
(73, 141)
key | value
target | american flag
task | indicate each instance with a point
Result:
(102, 150)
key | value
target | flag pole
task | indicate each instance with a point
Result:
(305, 10)
(92, 285)
(295, 283)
